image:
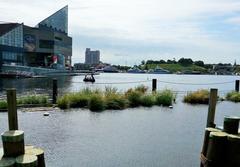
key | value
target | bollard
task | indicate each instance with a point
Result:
(216, 152)
(233, 151)
(212, 108)
(40, 155)
(26, 160)
(231, 125)
(237, 85)
(55, 91)
(12, 109)
(154, 85)
(13, 143)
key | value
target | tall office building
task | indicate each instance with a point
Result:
(92, 57)
(46, 45)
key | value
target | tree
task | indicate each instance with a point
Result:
(185, 62)
(199, 63)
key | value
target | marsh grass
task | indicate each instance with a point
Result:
(233, 96)
(197, 97)
(164, 98)
(33, 99)
(110, 98)
(3, 104)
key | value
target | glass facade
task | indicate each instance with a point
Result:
(13, 37)
(58, 21)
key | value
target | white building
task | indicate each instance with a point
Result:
(92, 57)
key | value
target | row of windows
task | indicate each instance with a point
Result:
(12, 56)
(13, 37)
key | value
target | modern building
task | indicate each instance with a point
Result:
(46, 45)
(92, 57)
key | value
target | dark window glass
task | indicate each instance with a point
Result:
(48, 44)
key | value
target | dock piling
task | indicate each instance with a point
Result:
(12, 109)
(154, 85)
(237, 85)
(55, 91)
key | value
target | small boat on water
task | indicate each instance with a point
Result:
(88, 78)
(159, 70)
(136, 71)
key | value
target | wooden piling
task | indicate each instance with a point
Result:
(154, 85)
(40, 155)
(237, 85)
(13, 143)
(7, 162)
(233, 151)
(26, 160)
(216, 152)
(212, 108)
(12, 109)
(231, 125)
(55, 91)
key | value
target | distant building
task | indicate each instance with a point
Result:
(92, 57)
(46, 45)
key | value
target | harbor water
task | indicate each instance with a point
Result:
(139, 137)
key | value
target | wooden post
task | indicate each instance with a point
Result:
(231, 125)
(210, 120)
(237, 85)
(12, 109)
(40, 155)
(212, 108)
(55, 91)
(233, 151)
(26, 160)
(154, 85)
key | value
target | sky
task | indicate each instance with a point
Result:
(129, 31)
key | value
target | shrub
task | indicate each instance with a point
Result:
(35, 99)
(3, 104)
(96, 103)
(78, 100)
(197, 97)
(63, 102)
(233, 96)
(164, 98)
(134, 98)
(141, 88)
(147, 100)
(115, 102)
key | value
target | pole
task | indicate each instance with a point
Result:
(237, 85)
(154, 85)
(55, 91)
(212, 108)
(12, 109)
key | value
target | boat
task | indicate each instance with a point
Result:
(110, 69)
(136, 71)
(88, 78)
(159, 70)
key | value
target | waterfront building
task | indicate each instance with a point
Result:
(46, 45)
(92, 57)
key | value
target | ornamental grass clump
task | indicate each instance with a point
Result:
(34, 99)
(197, 97)
(133, 97)
(96, 103)
(147, 100)
(233, 96)
(63, 102)
(78, 100)
(3, 104)
(114, 100)
(164, 98)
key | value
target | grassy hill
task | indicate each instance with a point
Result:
(177, 67)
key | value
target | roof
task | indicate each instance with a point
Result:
(6, 27)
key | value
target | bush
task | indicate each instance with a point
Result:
(233, 96)
(164, 98)
(134, 98)
(63, 102)
(78, 100)
(3, 104)
(115, 102)
(197, 97)
(147, 100)
(96, 103)
(141, 88)
(35, 99)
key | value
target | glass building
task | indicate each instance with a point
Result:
(46, 45)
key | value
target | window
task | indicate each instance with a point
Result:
(47, 44)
